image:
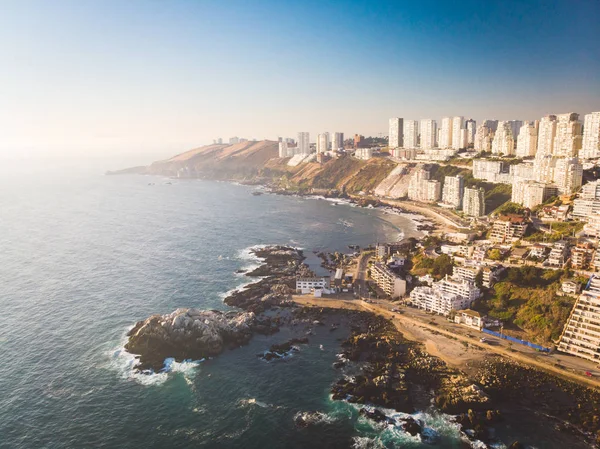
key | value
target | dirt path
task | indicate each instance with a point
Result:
(455, 349)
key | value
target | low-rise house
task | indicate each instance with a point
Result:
(558, 254)
(570, 287)
(388, 281)
(398, 260)
(466, 273)
(538, 251)
(508, 228)
(479, 253)
(581, 256)
(518, 255)
(491, 274)
(554, 213)
(308, 285)
(469, 318)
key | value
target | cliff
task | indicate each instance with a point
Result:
(258, 162)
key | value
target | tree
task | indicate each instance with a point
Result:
(479, 279)
(495, 254)
(442, 266)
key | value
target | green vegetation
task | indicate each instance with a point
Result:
(510, 208)
(559, 230)
(526, 300)
(496, 195)
(438, 267)
(495, 254)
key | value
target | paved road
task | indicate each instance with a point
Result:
(575, 367)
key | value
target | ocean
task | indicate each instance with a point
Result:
(84, 256)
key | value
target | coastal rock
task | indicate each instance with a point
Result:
(305, 419)
(189, 334)
(279, 351)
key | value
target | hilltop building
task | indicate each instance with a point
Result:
(445, 138)
(471, 126)
(546, 134)
(411, 133)
(527, 140)
(503, 142)
(567, 141)
(396, 129)
(590, 147)
(452, 193)
(457, 136)
(428, 134)
(483, 138)
(304, 143)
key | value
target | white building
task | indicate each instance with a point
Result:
(471, 126)
(284, 150)
(304, 143)
(338, 141)
(521, 172)
(591, 191)
(428, 134)
(584, 208)
(453, 191)
(490, 171)
(308, 285)
(515, 127)
(411, 133)
(590, 147)
(445, 140)
(457, 126)
(444, 296)
(388, 281)
(395, 135)
(503, 142)
(469, 318)
(527, 140)
(363, 153)
(322, 143)
(568, 175)
(567, 141)
(483, 138)
(581, 336)
(546, 134)
(421, 188)
(543, 168)
(531, 193)
(473, 202)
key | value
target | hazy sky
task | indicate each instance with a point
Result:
(158, 77)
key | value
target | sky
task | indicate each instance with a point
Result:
(153, 78)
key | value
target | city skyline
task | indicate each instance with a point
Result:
(171, 77)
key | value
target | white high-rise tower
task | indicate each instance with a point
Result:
(445, 140)
(428, 134)
(395, 135)
(590, 147)
(457, 126)
(411, 133)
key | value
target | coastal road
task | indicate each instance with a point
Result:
(360, 275)
(545, 363)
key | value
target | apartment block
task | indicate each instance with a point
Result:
(445, 139)
(395, 132)
(392, 284)
(508, 228)
(473, 202)
(527, 140)
(411, 133)
(590, 147)
(581, 336)
(428, 134)
(504, 142)
(546, 134)
(304, 143)
(568, 138)
(457, 126)
(483, 138)
(453, 191)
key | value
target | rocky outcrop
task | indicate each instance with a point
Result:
(282, 350)
(191, 334)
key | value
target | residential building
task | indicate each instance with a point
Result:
(395, 135)
(284, 150)
(453, 191)
(466, 273)
(491, 124)
(568, 175)
(592, 227)
(363, 153)
(546, 134)
(421, 188)
(469, 318)
(581, 256)
(581, 335)
(304, 143)
(474, 202)
(359, 141)
(383, 250)
(445, 140)
(508, 228)
(558, 254)
(590, 147)
(428, 134)
(471, 127)
(445, 296)
(503, 142)
(464, 138)
(408, 154)
(338, 141)
(392, 284)
(591, 191)
(322, 143)
(583, 208)
(307, 285)
(234, 140)
(538, 251)
(521, 172)
(457, 126)
(527, 140)
(515, 127)
(568, 138)
(531, 193)
(570, 287)
(596, 261)
(543, 168)
(411, 133)
(488, 170)
(483, 138)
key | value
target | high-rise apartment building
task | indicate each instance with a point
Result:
(546, 134)
(464, 138)
(304, 143)
(428, 134)
(483, 138)
(395, 136)
(421, 188)
(491, 124)
(590, 147)
(338, 141)
(471, 126)
(515, 127)
(474, 202)
(445, 140)
(411, 133)
(527, 140)
(531, 193)
(322, 142)
(457, 126)
(567, 141)
(503, 142)
(453, 190)
(581, 335)
(568, 174)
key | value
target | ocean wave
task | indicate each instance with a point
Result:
(124, 363)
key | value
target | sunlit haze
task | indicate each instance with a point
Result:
(155, 78)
